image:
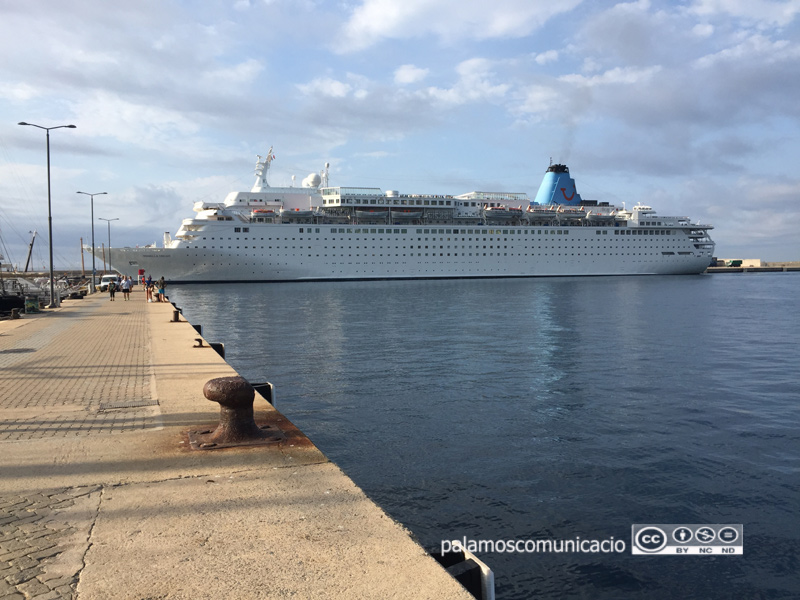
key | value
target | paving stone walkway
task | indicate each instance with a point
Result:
(78, 371)
(43, 539)
(61, 377)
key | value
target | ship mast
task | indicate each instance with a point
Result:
(30, 250)
(262, 170)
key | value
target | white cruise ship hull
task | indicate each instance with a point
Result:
(288, 252)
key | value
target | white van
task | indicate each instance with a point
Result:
(104, 281)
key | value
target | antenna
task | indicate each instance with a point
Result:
(325, 175)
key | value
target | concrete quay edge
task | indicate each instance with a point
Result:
(137, 514)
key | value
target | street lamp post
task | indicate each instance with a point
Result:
(94, 271)
(54, 302)
(109, 237)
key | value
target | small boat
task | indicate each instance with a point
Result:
(600, 217)
(541, 211)
(566, 213)
(368, 213)
(296, 213)
(501, 213)
(399, 213)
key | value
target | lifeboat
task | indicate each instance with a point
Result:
(295, 213)
(567, 213)
(600, 217)
(541, 211)
(406, 214)
(368, 213)
(501, 213)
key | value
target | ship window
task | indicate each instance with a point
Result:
(237, 229)
(245, 229)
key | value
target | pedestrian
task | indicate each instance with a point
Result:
(160, 286)
(126, 287)
(112, 287)
(148, 289)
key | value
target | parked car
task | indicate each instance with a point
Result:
(104, 281)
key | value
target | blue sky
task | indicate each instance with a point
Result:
(691, 107)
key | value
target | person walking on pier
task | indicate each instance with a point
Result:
(112, 287)
(126, 287)
(160, 286)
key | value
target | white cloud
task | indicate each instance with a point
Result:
(546, 57)
(144, 125)
(703, 30)
(760, 12)
(539, 102)
(617, 75)
(19, 92)
(405, 74)
(230, 78)
(325, 86)
(754, 47)
(449, 20)
(474, 84)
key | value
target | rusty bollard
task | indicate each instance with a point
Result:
(237, 426)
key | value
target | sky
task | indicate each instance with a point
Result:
(691, 107)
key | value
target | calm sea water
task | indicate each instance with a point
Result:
(548, 409)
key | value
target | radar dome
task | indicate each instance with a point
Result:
(313, 180)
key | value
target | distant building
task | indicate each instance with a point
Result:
(739, 262)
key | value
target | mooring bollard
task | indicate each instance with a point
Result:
(176, 316)
(237, 426)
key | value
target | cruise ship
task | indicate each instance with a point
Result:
(315, 232)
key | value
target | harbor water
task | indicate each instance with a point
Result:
(533, 409)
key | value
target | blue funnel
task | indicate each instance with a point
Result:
(558, 187)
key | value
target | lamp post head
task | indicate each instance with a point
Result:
(46, 128)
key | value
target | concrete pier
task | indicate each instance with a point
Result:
(102, 497)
